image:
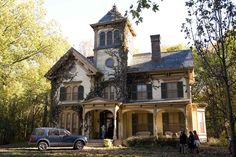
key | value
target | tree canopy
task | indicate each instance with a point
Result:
(29, 46)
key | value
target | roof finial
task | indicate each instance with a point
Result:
(114, 7)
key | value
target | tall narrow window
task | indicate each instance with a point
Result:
(75, 93)
(109, 38)
(62, 94)
(68, 93)
(172, 90)
(106, 93)
(74, 122)
(102, 39)
(62, 120)
(68, 121)
(80, 93)
(109, 92)
(112, 93)
(141, 92)
(117, 39)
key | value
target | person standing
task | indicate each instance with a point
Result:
(103, 130)
(191, 142)
(183, 141)
(196, 141)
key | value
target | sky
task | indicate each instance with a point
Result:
(75, 17)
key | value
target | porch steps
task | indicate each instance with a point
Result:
(95, 143)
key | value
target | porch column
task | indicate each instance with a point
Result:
(120, 124)
(154, 122)
(83, 119)
(114, 131)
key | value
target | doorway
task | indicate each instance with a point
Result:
(106, 124)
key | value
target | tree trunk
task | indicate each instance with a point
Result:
(45, 113)
(231, 118)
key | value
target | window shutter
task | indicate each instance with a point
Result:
(165, 121)
(62, 94)
(80, 93)
(149, 91)
(164, 90)
(134, 123)
(181, 121)
(134, 92)
(180, 89)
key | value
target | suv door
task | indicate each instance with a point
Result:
(66, 138)
(53, 137)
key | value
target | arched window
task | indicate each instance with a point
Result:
(68, 93)
(112, 93)
(75, 93)
(117, 39)
(109, 38)
(62, 94)
(80, 93)
(109, 92)
(68, 121)
(62, 120)
(102, 39)
(106, 92)
(74, 122)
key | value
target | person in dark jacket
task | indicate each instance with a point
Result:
(191, 142)
(183, 141)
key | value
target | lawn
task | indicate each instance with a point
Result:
(23, 150)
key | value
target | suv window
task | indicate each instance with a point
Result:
(53, 132)
(62, 133)
(39, 132)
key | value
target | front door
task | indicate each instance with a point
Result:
(106, 124)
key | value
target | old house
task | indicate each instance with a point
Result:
(128, 94)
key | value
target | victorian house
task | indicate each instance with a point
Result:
(127, 93)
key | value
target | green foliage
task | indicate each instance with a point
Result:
(211, 27)
(108, 143)
(29, 47)
(136, 10)
(174, 48)
(146, 141)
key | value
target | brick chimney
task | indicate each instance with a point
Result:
(156, 49)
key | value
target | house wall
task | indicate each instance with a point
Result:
(80, 78)
(102, 56)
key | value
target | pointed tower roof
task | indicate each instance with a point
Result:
(112, 15)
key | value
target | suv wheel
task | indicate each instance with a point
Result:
(42, 146)
(79, 145)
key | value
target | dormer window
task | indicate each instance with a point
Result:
(102, 39)
(109, 38)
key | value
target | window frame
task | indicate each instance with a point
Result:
(109, 38)
(102, 39)
(166, 90)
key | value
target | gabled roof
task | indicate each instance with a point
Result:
(169, 61)
(65, 58)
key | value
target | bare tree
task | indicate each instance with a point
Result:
(211, 25)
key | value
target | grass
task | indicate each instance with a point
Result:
(25, 151)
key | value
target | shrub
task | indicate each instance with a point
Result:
(138, 141)
(108, 143)
(221, 141)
